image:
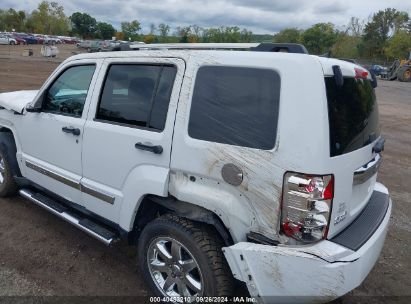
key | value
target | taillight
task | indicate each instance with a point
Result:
(306, 206)
(360, 73)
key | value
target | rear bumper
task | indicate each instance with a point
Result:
(305, 274)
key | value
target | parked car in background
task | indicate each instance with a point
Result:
(54, 40)
(30, 39)
(93, 46)
(40, 38)
(68, 40)
(84, 44)
(18, 39)
(46, 39)
(379, 70)
(5, 39)
(109, 45)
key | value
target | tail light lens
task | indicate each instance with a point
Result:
(359, 73)
(306, 206)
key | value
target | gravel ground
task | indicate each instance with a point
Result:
(41, 255)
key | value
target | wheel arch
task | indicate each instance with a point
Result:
(153, 206)
(9, 146)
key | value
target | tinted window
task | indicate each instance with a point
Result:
(353, 115)
(137, 95)
(236, 106)
(68, 93)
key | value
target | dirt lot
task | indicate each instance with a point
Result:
(41, 255)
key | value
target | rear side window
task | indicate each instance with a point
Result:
(236, 106)
(352, 113)
(137, 95)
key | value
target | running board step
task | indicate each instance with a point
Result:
(95, 230)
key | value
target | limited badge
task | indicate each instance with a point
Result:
(342, 214)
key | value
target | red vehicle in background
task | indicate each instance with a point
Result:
(68, 40)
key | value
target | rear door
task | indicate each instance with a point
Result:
(128, 134)
(354, 130)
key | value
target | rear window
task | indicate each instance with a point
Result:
(236, 106)
(353, 115)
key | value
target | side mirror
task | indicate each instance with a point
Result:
(32, 109)
(35, 107)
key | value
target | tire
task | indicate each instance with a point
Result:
(12, 43)
(404, 74)
(210, 274)
(8, 186)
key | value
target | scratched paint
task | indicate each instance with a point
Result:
(260, 191)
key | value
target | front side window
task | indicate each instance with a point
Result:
(137, 95)
(68, 93)
(236, 106)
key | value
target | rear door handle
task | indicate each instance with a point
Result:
(74, 131)
(149, 147)
(365, 172)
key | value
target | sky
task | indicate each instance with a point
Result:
(260, 16)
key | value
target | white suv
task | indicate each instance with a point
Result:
(221, 165)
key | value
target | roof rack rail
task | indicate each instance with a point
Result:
(256, 47)
(194, 46)
(281, 47)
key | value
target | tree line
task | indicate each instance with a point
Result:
(386, 35)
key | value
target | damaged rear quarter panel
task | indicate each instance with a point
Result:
(255, 204)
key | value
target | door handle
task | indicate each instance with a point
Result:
(74, 131)
(149, 147)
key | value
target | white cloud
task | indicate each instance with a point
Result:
(261, 16)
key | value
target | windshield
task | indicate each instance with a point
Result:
(352, 113)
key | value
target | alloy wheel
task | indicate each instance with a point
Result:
(174, 269)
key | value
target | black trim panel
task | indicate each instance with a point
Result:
(52, 175)
(101, 196)
(96, 194)
(364, 226)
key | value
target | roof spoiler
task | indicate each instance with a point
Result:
(338, 76)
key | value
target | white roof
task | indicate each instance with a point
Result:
(216, 52)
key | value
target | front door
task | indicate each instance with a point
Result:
(128, 134)
(52, 139)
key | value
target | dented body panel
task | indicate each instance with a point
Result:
(304, 274)
(258, 196)
(17, 101)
